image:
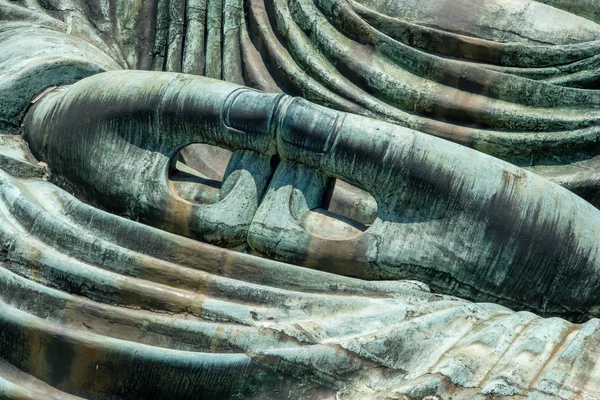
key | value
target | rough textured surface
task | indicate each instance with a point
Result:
(111, 286)
(90, 296)
(104, 307)
(463, 222)
(514, 79)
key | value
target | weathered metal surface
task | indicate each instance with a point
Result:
(511, 79)
(460, 221)
(100, 306)
(141, 126)
(105, 307)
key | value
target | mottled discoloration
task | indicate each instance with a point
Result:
(493, 232)
(100, 306)
(147, 132)
(503, 77)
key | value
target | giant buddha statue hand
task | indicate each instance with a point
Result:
(460, 221)
(169, 235)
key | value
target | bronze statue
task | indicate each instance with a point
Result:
(321, 248)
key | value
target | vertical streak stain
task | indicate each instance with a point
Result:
(161, 35)
(214, 39)
(195, 36)
(176, 35)
(232, 56)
